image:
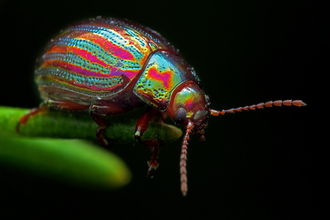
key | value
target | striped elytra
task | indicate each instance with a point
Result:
(105, 58)
(111, 66)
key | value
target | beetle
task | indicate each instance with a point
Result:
(111, 66)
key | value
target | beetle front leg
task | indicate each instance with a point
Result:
(152, 144)
(101, 122)
(140, 127)
(163, 116)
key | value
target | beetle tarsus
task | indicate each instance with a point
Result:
(22, 121)
(153, 164)
(152, 144)
(99, 136)
(201, 139)
(150, 172)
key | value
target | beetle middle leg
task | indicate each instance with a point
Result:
(97, 112)
(140, 127)
(101, 122)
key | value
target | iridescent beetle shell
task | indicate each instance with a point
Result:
(111, 59)
(111, 66)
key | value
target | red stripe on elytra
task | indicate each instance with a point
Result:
(107, 45)
(89, 73)
(81, 52)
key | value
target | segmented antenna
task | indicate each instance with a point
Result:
(183, 160)
(289, 102)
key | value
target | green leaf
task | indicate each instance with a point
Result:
(40, 147)
(71, 161)
(58, 124)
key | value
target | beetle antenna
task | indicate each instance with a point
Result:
(289, 102)
(183, 160)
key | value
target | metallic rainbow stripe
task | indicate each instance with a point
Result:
(94, 59)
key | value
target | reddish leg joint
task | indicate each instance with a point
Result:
(152, 144)
(25, 118)
(140, 127)
(102, 123)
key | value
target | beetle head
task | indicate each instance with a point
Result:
(189, 104)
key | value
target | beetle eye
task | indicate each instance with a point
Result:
(180, 116)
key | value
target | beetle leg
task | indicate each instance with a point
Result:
(65, 105)
(152, 144)
(101, 122)
(140, 127)
(46, 105)
(202, 137)
(163, 116)
(103, 109)
(22, 120)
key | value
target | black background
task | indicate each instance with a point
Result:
(254, 165)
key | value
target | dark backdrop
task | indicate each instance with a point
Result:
(253, 165)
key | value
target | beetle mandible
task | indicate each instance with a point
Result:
(111, 66)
